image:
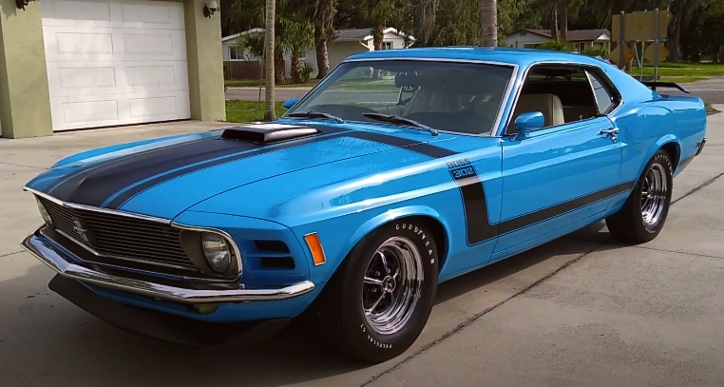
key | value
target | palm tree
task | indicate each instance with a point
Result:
(298, 37)
(323, 13)
(270, 42)
(489, 22)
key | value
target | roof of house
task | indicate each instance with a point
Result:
(354, 34)
(572, 35)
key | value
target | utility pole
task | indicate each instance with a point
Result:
(269, 39)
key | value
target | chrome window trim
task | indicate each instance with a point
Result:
(518, 89)
(504, 101)
(235, 248)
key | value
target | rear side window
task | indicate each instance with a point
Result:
(605, 99)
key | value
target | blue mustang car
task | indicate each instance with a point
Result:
(400, 170)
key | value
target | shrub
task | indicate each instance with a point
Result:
(594, 52)
(555, 45)
(307, 71)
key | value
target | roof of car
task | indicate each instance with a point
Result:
(516, 56)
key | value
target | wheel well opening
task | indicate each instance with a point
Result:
(673, 150)
(438, 233)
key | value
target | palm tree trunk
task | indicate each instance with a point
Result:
(564, 20)
(296, 67)
(489, 22)
(378, 36)
(554, 22)
(280, 73)
(323, 67)
(269, 97)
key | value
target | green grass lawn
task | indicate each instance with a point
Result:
(260, 82)
(248, 111)
(682, 72)
(710, 109)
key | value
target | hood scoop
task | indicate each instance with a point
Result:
(264, 133)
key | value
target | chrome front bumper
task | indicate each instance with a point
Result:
(58, 260)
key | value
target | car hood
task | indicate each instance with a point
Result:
(163, 181)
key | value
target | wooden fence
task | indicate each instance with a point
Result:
(238, 70)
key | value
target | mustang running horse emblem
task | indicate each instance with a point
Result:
(79, 230)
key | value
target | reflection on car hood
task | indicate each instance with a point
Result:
(164, 181)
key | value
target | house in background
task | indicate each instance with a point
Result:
(348, 42)
(578, 40)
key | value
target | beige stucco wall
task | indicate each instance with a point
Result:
(24, 100)
(206, 70)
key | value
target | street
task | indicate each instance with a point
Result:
(710, 90)
(581, 310)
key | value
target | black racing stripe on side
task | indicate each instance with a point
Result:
(80, 174)
(475, 205)
(478, 227)
(560, 209)
(121, 199)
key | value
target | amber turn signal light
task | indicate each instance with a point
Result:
(315, 246)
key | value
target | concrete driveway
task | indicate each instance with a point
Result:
(581, 310)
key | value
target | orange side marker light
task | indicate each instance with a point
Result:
(315, 246)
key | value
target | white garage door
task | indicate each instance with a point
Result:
(115, 62)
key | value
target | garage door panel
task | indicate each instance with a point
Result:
(92, 78)
(113, 14)
(71, 44)
(75, 112)
(115, 62)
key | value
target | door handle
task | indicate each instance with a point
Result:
(609, 132)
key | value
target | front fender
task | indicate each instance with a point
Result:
(399, 213)
(340, 235)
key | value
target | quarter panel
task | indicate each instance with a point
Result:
(646, 127)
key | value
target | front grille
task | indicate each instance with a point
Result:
(119, 237)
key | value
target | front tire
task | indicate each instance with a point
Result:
(645, 211)
(380, 299)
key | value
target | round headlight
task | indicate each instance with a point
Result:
(44, 213)
(217, 252)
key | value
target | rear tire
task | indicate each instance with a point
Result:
(646, 209)
(379, 300)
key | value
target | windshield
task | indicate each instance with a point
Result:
(449, 96)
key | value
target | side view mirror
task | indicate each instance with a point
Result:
(528, 122)
(288, 104)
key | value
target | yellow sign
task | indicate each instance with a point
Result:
(650, 56)
(615, 55)
(639, 26)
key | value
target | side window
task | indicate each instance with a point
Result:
(605, 99)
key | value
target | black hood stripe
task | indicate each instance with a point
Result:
(121, 198)
(97, 185)
(80, 174)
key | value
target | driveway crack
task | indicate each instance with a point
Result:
(9, 254)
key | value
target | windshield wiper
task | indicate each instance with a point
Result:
(316, 114)
(395, 119)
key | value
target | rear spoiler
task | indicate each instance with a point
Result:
(654, 84)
